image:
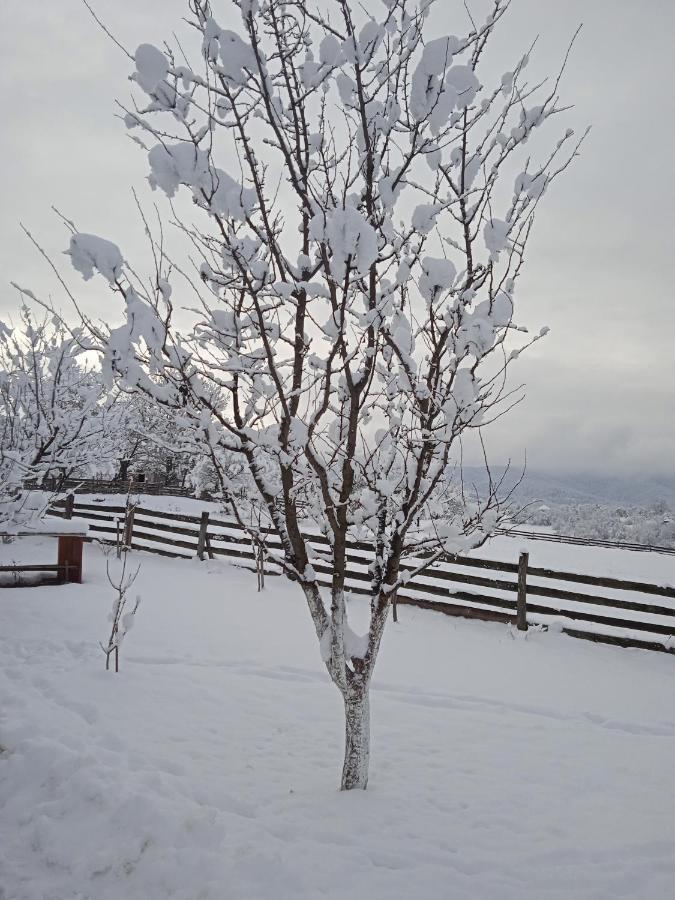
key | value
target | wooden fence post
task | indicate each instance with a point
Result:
(521, 603)
(70, 556)
(69, 506)
(202, 540)
(129, 526)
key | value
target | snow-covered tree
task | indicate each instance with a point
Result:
(362, 205)
(54, 411)
(652, 526)
(151, 439)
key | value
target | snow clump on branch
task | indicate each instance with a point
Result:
(350, 237)
(90, 254)
(174, 164)
(152, 67)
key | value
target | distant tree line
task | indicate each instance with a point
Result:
(652, 525)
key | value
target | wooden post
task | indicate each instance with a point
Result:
(202, 540)
(521, 603)
(129, 526)
(69, 506)
(394, 607)
(70, 556)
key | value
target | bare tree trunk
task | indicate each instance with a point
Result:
(357, 738)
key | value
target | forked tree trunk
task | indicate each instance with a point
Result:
(357, 740)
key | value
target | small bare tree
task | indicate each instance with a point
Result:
(362, 206)
(121, 616)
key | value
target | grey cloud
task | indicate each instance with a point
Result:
(601, 266)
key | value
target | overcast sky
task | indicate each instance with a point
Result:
(601, 264)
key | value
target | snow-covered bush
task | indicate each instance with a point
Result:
(362, 204)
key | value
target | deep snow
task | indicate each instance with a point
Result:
(502, 768)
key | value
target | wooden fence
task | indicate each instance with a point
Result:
(118, 486)
(134, 487)
(517, 593)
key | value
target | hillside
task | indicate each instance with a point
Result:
(561, 488)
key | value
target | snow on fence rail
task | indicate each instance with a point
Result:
(624, 613)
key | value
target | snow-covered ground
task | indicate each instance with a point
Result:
(502, 768)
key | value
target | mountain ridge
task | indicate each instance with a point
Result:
(576, 488)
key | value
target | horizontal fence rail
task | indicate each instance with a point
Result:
(608, 610)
